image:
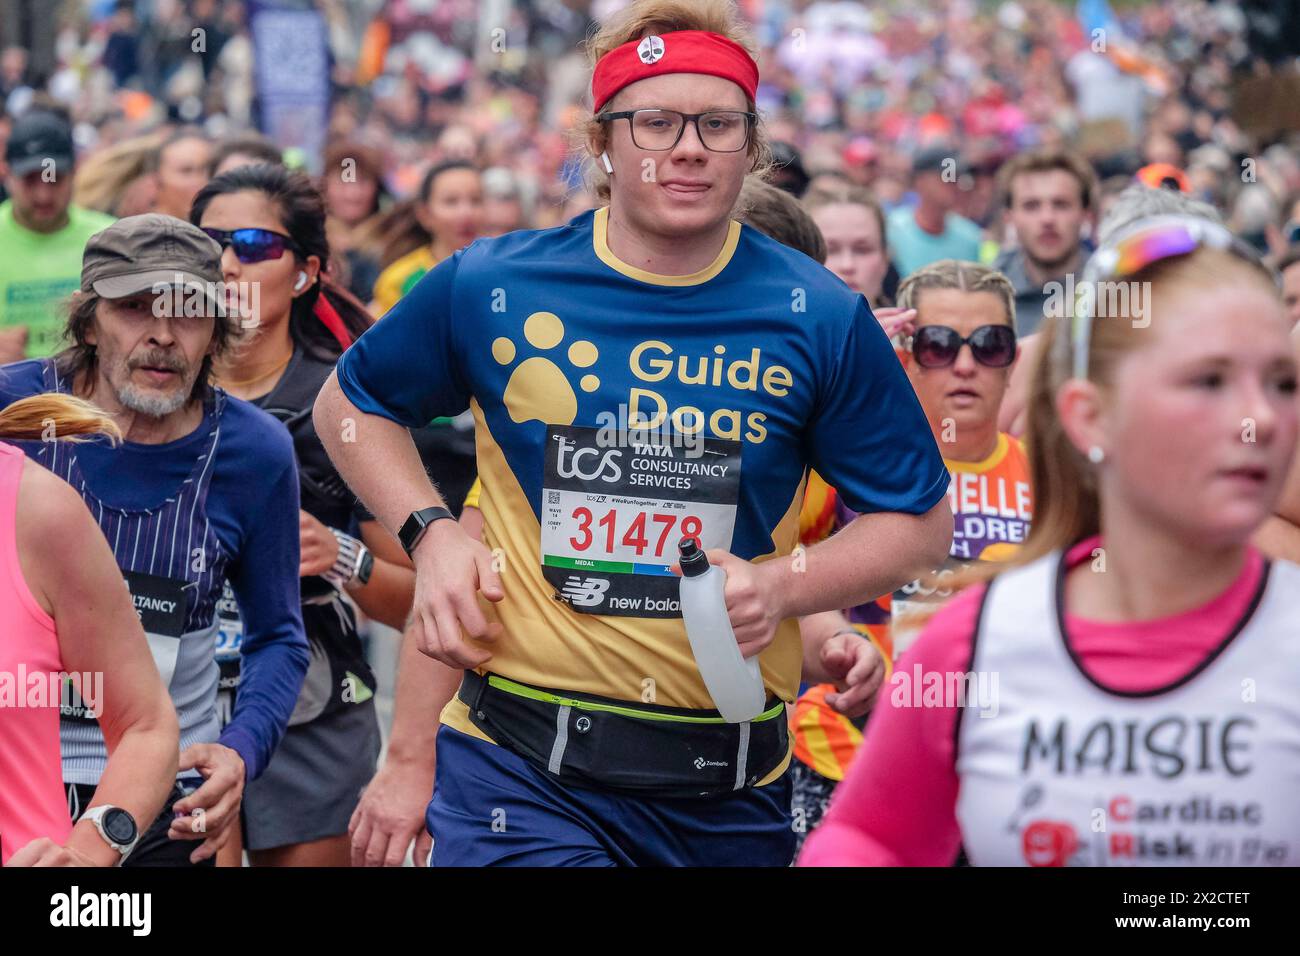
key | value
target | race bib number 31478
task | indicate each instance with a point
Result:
(612, 516)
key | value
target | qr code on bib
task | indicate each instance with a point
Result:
(552, 497)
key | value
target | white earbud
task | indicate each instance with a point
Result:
(609, 167)
(301, 283)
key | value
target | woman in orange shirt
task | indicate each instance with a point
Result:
(959, 357)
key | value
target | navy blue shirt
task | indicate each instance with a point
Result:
(252, 506)
(751, 371)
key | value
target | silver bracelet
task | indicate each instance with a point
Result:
(348, 563)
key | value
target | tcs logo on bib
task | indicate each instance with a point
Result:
(570, 464)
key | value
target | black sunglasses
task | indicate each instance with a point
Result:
(936, 346)
(253, 245)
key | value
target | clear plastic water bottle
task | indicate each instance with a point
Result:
(733, 682)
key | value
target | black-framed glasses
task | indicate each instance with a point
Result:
(721, 131)
(253, 245)
(936, 346)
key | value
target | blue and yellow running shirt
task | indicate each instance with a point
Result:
(556, 345)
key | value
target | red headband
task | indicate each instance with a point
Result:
(682, 51)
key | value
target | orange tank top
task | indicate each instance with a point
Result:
(992, 504)
(32, 800)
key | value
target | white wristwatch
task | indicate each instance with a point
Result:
(115, 826)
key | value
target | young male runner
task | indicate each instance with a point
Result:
(656, 308)
(203, 489)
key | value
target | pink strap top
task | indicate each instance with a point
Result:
(32, 800)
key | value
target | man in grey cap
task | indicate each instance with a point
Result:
(165, 264)
(202, 491)
(41, 235)
(931, 230)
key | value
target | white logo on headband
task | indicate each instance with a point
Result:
(650, 50)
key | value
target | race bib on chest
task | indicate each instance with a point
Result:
(230, 626)
(160, 603)
(912, 603)
(612, 515)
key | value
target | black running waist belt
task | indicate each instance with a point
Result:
(641, 749)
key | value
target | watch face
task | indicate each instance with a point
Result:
(119, 826)
(410, 531)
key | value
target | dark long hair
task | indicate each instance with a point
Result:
(397, 230)
(80, 359)
(302, 214)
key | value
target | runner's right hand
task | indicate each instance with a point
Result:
(896, 321)
(45, 852)
(451, 568)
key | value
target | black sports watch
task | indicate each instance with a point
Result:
(417, 524)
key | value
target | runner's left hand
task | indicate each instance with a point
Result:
(859, 672)
(208, 813)
(320, 549)
(751, 601)
(390, 816)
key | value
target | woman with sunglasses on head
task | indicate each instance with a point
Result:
(959, 358)
(1145, 711)
(271, 224)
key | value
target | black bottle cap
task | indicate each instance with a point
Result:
(693, 560)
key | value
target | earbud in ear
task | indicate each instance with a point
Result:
(609, 167)
(301, 283)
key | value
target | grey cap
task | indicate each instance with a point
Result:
(39, 137)
(142, 253)
(935, 159)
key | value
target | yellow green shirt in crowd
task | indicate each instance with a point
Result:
(40, 271)
(400, 278)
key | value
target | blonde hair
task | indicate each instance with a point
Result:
(963, 276)
(104, 176)
(651, 17)
(64, 417)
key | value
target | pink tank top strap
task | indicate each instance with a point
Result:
(12, 461)
(32, 799)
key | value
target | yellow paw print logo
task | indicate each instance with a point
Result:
(538, 390)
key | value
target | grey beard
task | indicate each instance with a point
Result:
(155, 406)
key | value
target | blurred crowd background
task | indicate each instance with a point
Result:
(852, 91)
